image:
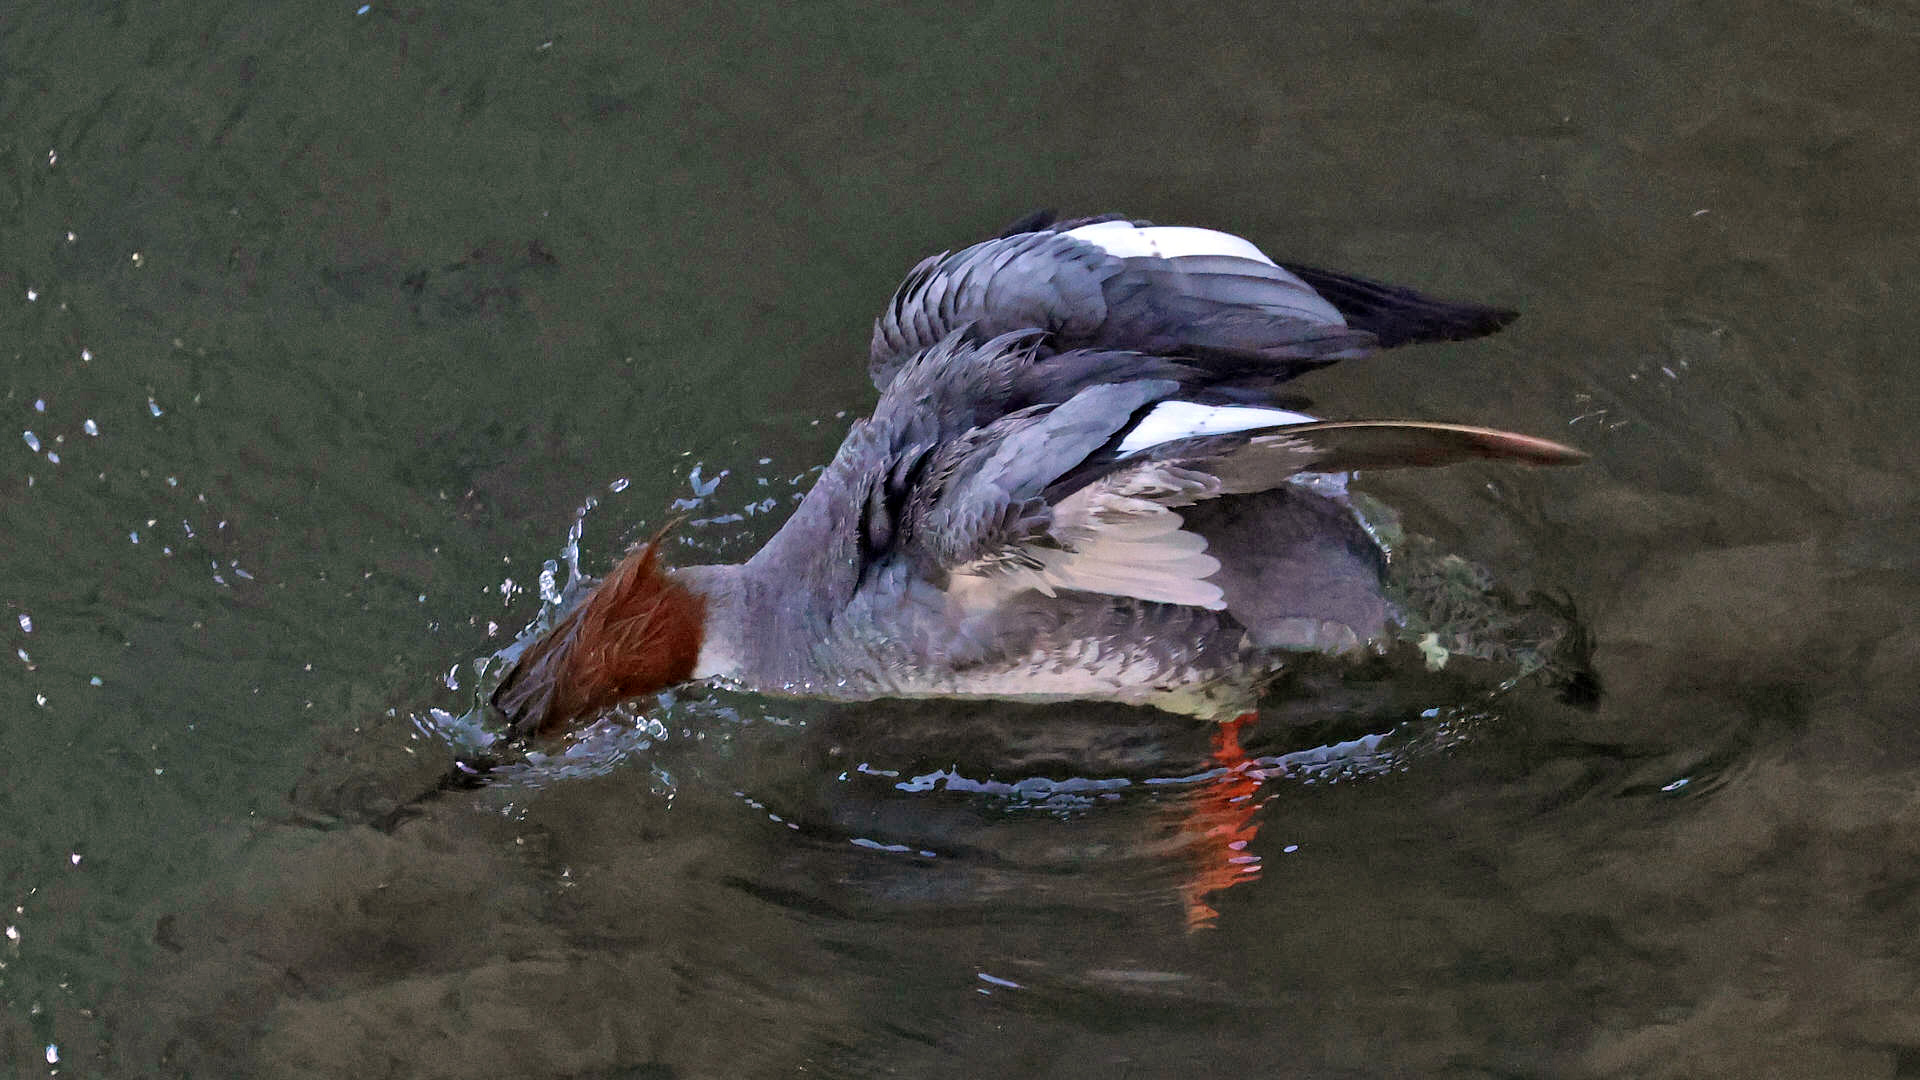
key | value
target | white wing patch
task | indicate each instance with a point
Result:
(1123, 240)
(1172, 420)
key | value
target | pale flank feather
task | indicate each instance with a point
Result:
(1115, 536)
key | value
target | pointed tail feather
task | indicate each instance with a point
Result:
(1346, 445)
(1253, 461)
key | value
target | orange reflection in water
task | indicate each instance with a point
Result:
(1219, 825)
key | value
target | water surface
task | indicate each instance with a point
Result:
(319, 323)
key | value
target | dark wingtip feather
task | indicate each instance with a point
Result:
(1401, 316)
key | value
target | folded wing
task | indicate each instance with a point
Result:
(1087, 495)
(1168, 291)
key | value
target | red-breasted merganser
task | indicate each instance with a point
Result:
(1077, 484)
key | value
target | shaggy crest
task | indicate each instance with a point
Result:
(635, 633)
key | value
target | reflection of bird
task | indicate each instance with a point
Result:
(1078, 483)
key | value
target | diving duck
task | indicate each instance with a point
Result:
(1081, 481)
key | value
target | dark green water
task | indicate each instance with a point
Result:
(331, 319)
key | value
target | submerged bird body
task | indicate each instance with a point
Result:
(1077, 484)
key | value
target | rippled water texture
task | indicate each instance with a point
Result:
(318, 323)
